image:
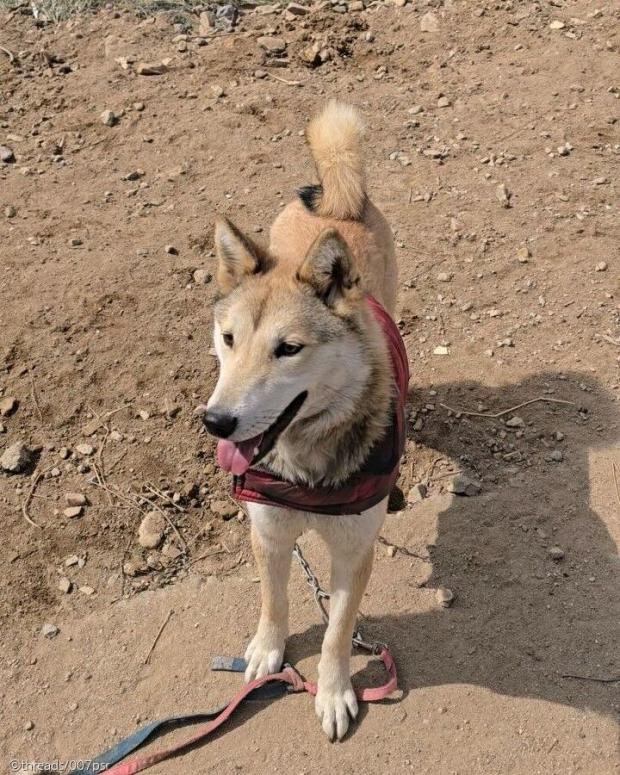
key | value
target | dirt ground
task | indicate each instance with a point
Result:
(493, 149)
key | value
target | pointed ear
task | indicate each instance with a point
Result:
(237, 255)
(330, 270)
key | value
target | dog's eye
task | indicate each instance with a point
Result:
(228, 339)
(288, 348)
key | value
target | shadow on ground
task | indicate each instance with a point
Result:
(521, 619)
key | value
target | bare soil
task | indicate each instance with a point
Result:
(101, 316)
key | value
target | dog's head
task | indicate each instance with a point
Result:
(288, 342)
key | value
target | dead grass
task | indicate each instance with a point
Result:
(60, 10)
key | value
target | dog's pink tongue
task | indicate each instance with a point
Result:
(237, 457)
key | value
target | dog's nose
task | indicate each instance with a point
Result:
(219, 423)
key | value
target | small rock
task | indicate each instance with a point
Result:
(441, 350)
(72, 560)
(556, 24)
(64, 585)
(8, 405)
(417, 493)
(564, 150)
(138, 106)
(206, 27)
(171, 250)
(218, 91)
(557, 456)
(151, 68)
(464, 485)
(556, 553)
(299, 10)
(86, 590)
(6, 154)
(272, 45)
(444, 277)
(72, 512)
(85, 449)
(429, 22)
(16, 458)
(2, 428)
(391, 551)
(10, 211)
(143, 414)
(503, 195)
(49, 631)
(109, 118)
(63, 453)
(29, 725)
(523, 254)
(55, 473)
(75, 242)
(171, 551)
(415, 109)
(445, 597)
(260, 74)
(116, 436)
(75, 499)
(601, 266)
(202, 277)
(224, 509)
(515, 422)
(151, 530)
(443, 102)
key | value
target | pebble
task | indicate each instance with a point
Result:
(444, 277)
(64, 585)
(85, 449)
(151, 68)
(86, 590)
(503, 195)
(75, 499)
(556, 24)
(441, 350)
(556, 553)
(218, 91)
(224, 509)
(109, 118)
(523, 254)
(2, 428)
(6, 154)
(49, 631)
(139, 106)
(443, 102)
(557, 456)
(515, 422)
(10, 211)
(417, 493)
(391, 551)
(72, 512)
(429, 22)
(300, 10)
(171, 250)
(29, 725)
(16, 458)
(151, 530)
(445, 597)
(202, 277)
(272, 45)
(260, 74)
(601, 266)
(8, 405)
(63, 453)
(143, 414)
(464, 485)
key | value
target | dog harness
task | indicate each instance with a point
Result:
(373, 481)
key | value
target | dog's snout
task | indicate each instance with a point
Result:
(220, 424)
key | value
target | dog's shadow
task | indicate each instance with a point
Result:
(521, 618)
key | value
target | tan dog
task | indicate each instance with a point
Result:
(305, 386)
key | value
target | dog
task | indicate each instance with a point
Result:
(306, 392)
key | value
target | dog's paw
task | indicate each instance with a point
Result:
(335, 707)
(264, 655)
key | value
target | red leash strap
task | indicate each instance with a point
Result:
(288, 675)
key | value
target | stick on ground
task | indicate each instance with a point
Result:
(158, 636)
(508, 411)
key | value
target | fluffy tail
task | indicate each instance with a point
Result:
(335, 137)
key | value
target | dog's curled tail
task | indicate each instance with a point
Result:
(335, 137)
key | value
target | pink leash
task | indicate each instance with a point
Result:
(287, 675)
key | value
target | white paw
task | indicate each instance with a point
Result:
(335, 707)
(264, 655)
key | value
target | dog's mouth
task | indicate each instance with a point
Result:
(238, 456)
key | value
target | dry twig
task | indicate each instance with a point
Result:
(508, 411)
(284, 80)
(591, 678)
(29, 497)
(613, 468)
(158, 636)
(163, 496)
(10, 54)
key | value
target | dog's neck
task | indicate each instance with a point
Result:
(331, 446)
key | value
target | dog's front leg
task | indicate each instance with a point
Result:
(274, 532)
(350, 541)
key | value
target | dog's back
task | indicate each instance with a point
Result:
(340, 201)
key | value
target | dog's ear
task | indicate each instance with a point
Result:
(237, 255)
(330, 270)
